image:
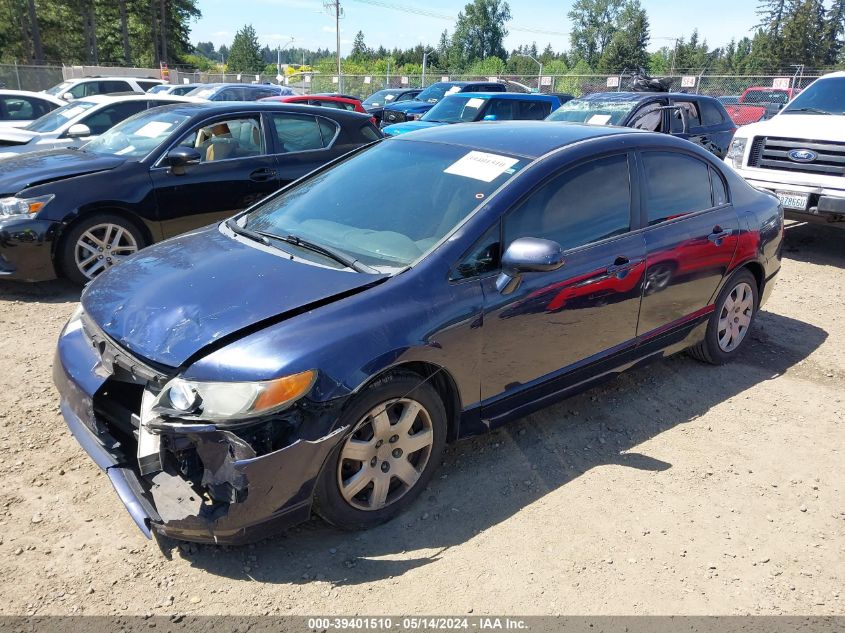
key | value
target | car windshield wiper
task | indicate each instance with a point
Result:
(813, 110)
(326, 251)
(232, 223)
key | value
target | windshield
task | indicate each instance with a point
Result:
(435, 92)
(456, 109)
(766, 96)
(202, 92)
(52, 121)
(391, 229)
(823, 95)
(379, 98)
(593, 111)
(159, 88)
(59, 89)
(138, 135)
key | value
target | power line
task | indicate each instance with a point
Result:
(451, 18)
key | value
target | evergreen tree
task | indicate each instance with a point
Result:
(245, 54)
(480, 31)
(627, 48)
(360, 52)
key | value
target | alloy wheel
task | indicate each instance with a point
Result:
(386, 454)
(735, 317)
(103, 246)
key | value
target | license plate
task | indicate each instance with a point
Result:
(793, 200)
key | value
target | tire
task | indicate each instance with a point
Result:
(106, 237)
(736, 307)
(349, 490)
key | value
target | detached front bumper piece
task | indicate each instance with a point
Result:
(210, 485)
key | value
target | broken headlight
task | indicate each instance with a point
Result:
(230, 401)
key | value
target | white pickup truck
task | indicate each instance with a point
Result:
(799, 154)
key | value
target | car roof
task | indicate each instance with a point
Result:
(505, 95)
(8, 92)
(639, 96)
(109, 78)
(194, 107)
(531, 139)
(135, 96)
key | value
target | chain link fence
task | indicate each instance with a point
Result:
(23, 77)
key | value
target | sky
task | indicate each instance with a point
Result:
(311, 26)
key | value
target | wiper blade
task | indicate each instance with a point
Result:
(327, 251)
(813, 110)
(232, 223)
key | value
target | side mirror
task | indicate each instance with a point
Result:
(527, 255)
(489, 117)
(180, 157)
(78, 130)
(67, 96)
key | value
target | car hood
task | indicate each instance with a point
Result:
(826, 127)
(410, 126)
(16, 137)
(172, 300)
(27, 170)
(411, 106)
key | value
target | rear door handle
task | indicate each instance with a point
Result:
(621, 264)
(262, 175)
(719, 234)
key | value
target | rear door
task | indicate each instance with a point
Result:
(303, 142)
(691, 235)
(235, 171)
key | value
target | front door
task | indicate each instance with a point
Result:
(234, 172)
(691, 238)
(556, 320)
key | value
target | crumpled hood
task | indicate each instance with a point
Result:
(410, 126)
(26, 170)
(828, 127)
(173, 299)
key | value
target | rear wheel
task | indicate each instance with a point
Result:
(96, 244)
(730, 322)
(397, 438)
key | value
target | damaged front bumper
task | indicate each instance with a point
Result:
(206, 484)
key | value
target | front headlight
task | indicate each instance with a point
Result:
(230, 401)
(28, 207)
(412, 117)
(737, 151)
(75, 321)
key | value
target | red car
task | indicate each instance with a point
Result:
(759, 103)
(327, 101)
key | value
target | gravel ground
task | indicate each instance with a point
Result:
(678, 488)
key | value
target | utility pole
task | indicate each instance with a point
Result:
(333, 7)
(425, 57)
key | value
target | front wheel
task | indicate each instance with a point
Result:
(96, 244)
(730, 322)
(397, 438)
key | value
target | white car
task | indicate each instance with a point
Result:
(799, 154)
(19, 107)
(71, 89)
(76, 123)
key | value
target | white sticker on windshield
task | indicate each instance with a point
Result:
(72, 112)
(475, 102)
(154, 129)
(598, 119)
(481, 166)
(453, 90)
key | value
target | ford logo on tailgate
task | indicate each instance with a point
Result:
(802, 155)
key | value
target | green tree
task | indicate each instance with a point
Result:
(360, 52)
(245, 53)
(594, 23)
(627, 47)
(800, 41)
(480, 32)
(834, 29)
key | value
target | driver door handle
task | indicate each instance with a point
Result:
(719, 234)
(621, 264)
(262, 175)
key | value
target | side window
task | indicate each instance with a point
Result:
(582, 205)
(405, 97)
(502, 109)
(230, 94)
(720, 193)
(482, 258)
(369, 133)
(108, 117)
(83, 89)
(649, 117)
(146, 85)
(107, 87)
(711, 114)
(297, 133)
(328, 130)
(692, 112)
(17, 109)
(260, 93)
(228, 139)
(676, 184)
(534, 110)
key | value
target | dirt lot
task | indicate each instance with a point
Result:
(679, 488)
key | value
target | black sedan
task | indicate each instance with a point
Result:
(319, 350)
(75, 212)
(697, 118)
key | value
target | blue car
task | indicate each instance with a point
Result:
(466, 107)
(318, 351)
(423, 102)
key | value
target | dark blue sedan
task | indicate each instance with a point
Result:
(318, 351)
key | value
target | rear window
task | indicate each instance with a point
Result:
(711, 114)
(676, 184)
